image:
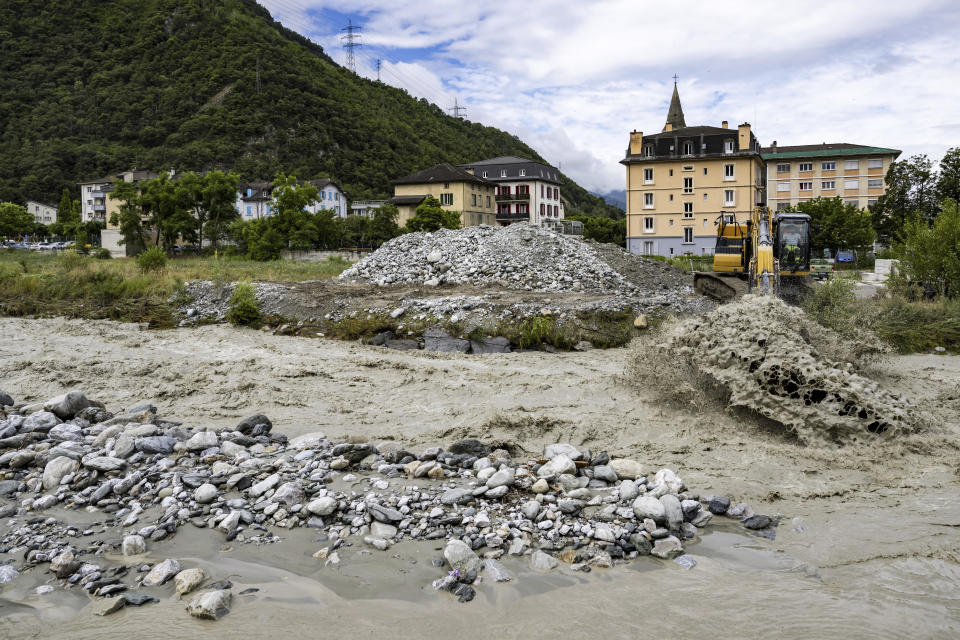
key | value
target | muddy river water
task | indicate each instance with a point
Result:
(868, 547)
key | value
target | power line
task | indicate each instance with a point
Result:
(351, 39)
(456, 109)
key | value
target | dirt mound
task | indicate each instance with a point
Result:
(759, 353)
(640, 271)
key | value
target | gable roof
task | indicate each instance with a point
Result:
(513, 167)
(824, 149)
(443, 172)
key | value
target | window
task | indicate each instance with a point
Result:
(648, 223)
(783, 186)
(783, 206)
(523, 208)
(688, 208)
(336, 196)
(446, 198)
(648, 201)
(829, 165)
(648, 151)
(875, 183)
(783, 167)
(688, 148)
(828, 184)
(543, 208)
(728, 172)
(446, 185)
(474, 196)
(503, 173)
(648, 176)
(671, 222)
(671, 173)
(704, 171)
(872, 202)
(728, 197)
(484, 174)
(89, 189)
(728, 146)
(851, 184)
(875, 163)
(249, 210)
(704, 197)
(688, 167)
(704, 222)
(806, 186)
(688, 185)
(541, 191)
(523, 172)
(688, 235)
(851, 203)
(648, 247)
(488, 201)
(671, 197)
(851, 164)
(806, 166)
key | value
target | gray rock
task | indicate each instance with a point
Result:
(403, 344)
(6, 400)
(311, 440)
(672, 511)
(289, 493)
(155, 444)
(530, 509)
(8, 574)
(497, 492)
(106, 606)
(605, 472)
(382, 530)
(210, 605)
(161, 572)
(642, 543)
(553, 450)
(470, 447)
(188, 580)
(382, 513)
(666, 548)
(686, 561)
(496, 571)
(626, 469)
(323, 506)
(66, 431)
(498, 344)
(56, 470)
(67, 405)
(719, 505)
(257, 422)
(690, 509)
(105, 464)
(264, 485)
(9, 487)
(205, 493)
(649, 507)
(540, 561)
(461, 557)
(502, 478)
(40, 422)
(441, 341)
(628, 491)
(201, 440)
(133, 545)
(456, 496)
(559, 464)
(124, 446)
(757, 522)
(702, 519)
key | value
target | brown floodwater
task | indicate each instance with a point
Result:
(869, 544)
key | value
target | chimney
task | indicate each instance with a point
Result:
(773, 146)
(743, 137)
(636, 143)
(725, 124)
(668, 126)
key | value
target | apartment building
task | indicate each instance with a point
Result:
(681, 180)
(95, 202)
(852, 172)
(526, 191)
(42, 213)
(255, 199)
(455, 188)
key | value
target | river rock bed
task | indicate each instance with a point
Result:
(138, 478)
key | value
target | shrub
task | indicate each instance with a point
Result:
(832, 304)
(102, 254)
(153, 259)
(71, 260)
(244, 310)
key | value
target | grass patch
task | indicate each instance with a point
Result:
(79, 286)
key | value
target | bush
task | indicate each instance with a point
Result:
(71, 260)
(244, 310)
(832, 304)
(102, 254)
(153, 259)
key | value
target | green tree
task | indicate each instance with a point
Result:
(129, 216)
(167, 208)
(68, 212)
(838, 226)
(931, 253)
(948, 178)
(383, 225)
(430, 216)
(291, 199)
(603, 229)
(911, 191)
(15, 220)
(211, 198)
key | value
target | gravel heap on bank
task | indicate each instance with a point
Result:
(150, 476)
(759, 350)
(518, 256)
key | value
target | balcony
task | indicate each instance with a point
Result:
(513, 197)
(512, 217)
(99, 207)
(98, 194)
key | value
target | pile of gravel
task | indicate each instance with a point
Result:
(519, 256)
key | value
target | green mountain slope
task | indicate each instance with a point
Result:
(90, 87)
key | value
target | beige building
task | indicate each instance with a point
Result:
(455, 188)
(681, 180)
(95, 201)
(42, 213)
(852, 172)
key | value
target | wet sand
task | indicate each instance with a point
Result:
(869, 545)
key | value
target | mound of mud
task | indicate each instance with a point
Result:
(758, 351)
(517, 257)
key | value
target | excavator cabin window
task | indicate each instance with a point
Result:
(794, 245)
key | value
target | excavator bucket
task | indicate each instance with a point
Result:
(716, 287)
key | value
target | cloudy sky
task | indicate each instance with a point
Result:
(571, 79)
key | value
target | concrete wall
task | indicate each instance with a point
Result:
(320, 256)
(110, 240)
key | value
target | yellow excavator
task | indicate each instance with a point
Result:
(771, 251)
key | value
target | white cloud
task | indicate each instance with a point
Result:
(573, 78)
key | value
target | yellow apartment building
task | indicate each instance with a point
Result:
(853, 172)
(455, 188)
(681, 180)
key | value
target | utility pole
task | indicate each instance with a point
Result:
(350, 39)
(378, 69)
(456, 110)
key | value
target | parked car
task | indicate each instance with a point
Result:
(846, 256)
(820, 268)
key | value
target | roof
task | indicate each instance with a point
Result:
(824, 149)
(692, 131)
(407, 199)
(51, 206)
(444, 172)
(104, 179)
(512, 165)
(675, 113)
(498, 160)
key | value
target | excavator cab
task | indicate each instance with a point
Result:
(733, 238)
(793, 243)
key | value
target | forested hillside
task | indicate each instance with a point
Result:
(89, 88)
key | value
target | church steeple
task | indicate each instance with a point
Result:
(675, 114)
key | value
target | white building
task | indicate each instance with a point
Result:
(365, 208)
(255, 199)
(42, 213)
(329, 196)
(93, 199)
(527, 191)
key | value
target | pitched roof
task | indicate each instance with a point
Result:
(675, 113)
(444, 172)
(692, 131)
(824, 149)
(407, 199)
(514, 168)
(498, 160)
